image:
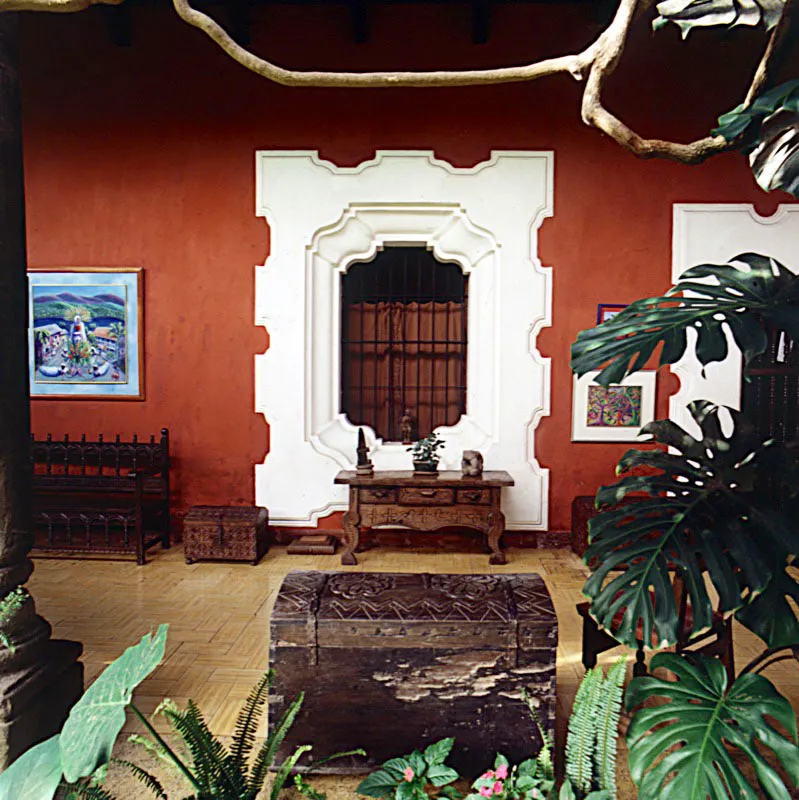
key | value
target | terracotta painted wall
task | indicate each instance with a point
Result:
(143, 156)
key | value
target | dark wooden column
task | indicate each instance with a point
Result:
(40, 678)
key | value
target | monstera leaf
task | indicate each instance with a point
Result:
(97, 718)
(736, 295)
(744, 121)
(700, 512)
(703, 720)
(770, 615)
(689, 14)
(775, 160)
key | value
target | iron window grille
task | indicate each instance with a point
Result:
(403, 342)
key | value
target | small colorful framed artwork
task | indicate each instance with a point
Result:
(606, 311)
(86, 333)
(615, 414)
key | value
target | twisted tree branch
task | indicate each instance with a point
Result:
(57, 6)
(778, 47)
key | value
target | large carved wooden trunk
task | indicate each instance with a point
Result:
(393, 662)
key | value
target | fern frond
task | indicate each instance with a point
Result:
(207, 753)
(544, 757)
(581, 737)
(608, 714)
(285, 768)
(266, 755)
(84, 790)
(150, 781)
(247, 720)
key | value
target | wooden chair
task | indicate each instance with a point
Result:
(717, 641)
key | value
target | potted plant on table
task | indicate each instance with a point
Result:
(425, 455)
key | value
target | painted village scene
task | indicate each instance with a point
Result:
(79, 334)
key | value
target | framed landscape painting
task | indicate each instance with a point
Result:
(86, 333)
(615, 414)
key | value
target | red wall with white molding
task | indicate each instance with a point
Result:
(144, 156)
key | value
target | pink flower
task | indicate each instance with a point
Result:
(487, 775)
(498, 787)
(502, 771)
(486, 791)
(408, 774)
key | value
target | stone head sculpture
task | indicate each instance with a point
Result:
(472, 463)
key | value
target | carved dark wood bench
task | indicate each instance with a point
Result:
(393, 662)
(101, 496)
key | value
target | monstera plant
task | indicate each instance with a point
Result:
(701, 513)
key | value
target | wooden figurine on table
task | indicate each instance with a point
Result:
(364, 465)
(406, 427)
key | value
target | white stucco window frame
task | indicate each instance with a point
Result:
(322, 219)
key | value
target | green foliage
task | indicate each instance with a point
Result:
(524, 781)
(9, 606)
(97, 718)
(593, 732)
(79, 352)
(425, 449)
(695, 729)
(745, 122)
(702, 511)
(688, 14)
(407, 778)
(36, 773)
(739, 295)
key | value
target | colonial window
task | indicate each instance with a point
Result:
(403, 344)
(770, 396)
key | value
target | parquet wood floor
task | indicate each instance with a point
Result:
(218, 615)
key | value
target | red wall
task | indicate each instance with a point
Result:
(144, 156)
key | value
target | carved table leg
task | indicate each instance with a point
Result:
(352, 534)
(496, 521)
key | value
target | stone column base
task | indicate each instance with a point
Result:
(35, 700)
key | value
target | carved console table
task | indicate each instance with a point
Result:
(426, 503)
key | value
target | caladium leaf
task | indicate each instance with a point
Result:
(737, 296)
(35, 774)
(775, 159)
(697, 729)
(688, 14)
(700, 513)
(97, 718)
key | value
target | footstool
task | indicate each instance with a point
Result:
(393, 662)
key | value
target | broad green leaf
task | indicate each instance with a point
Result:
(688, 14)
(438, 752)
(379, 784)
(396, 768)
(708, 299)
(703, 720)
(417, 762)
(35, 775)
(775, 158)
(770, 616)
(567, 791)
(440, 775)
(500, 760)
(97, 718)
(744, 122)
(406, 791)
(701, 512)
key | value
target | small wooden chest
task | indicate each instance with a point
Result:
(392, 662)
(227, 533)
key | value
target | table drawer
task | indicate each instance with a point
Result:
(426, 497)
(378, 495)
(475, 497)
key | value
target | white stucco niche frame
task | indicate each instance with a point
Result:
(324, 218)
(714, 233)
